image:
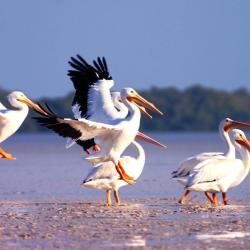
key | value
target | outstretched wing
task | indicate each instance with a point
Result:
(84, 77)
(74, 128)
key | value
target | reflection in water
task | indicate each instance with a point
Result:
(136, 241)
(224, 236)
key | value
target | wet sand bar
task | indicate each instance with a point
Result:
(138, 223)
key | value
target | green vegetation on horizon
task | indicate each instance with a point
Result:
(196, 108)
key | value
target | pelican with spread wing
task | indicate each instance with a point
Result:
(97, 117)
(94, 101)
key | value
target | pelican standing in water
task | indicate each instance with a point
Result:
(104, 176)
(186, 166)
(218, 175)
(11, 120)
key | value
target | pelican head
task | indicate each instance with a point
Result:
(132, 96)
(18, 98)
(239, 139)
(229, 124)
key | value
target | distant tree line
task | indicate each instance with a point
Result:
(196, 108)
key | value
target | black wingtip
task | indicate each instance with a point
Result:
(47, 110)
(105, 64)
(101, 67)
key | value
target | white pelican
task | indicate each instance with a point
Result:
(181, 174)
(93, 99)
(104, 176)
(218, 175)
(11, 120)
(114, 135)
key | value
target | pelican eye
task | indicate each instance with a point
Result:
(240, 136)
(119, 100)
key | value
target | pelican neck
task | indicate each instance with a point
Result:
(132, 108)
(230, 153)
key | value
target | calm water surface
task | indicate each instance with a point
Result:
(44, 169)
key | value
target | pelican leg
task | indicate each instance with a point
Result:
(87, 151)
(123, 175)
(215, 200)
(5, 155)
(225, 199)
(96, 148)
(183, 199)
(117, 198)
(209, 197)
(108, 198)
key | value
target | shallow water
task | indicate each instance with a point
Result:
(43, 206)
(44, 169)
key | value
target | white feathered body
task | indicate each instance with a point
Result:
(217, 175)
(113, 144)
(102, 107)
(181, 174)
(104, 175)
(11, 120)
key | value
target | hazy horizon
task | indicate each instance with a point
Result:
(72, 91)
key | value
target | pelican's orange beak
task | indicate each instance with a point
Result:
(244, 142)
(148, 139)
(236, 124)
(32, 105)
(144, 111)
(139, 100)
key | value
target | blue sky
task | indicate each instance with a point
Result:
(161, 43)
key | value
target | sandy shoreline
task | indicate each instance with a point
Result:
(139, 223)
